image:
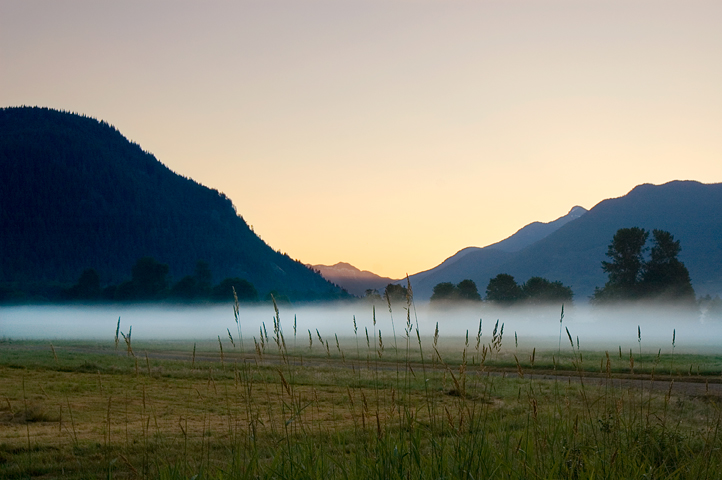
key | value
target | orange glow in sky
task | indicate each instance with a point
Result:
(388, 134)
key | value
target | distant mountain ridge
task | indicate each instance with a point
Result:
(356, 281)
(496, 253)
(535, 231)
(573, 253)
(352, 279)
(76, 194)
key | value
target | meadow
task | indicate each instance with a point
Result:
(293, 404)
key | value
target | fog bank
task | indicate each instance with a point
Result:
(597, 328)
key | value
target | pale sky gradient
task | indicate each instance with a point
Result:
(388, 134)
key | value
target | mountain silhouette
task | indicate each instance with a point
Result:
(357, 281)
(489, 257)
(352, 279)
(76, 194)
(573, 253)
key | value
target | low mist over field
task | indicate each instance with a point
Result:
(597, 328)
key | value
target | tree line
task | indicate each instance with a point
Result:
(632, 275)
(504, 290)
(150, 281)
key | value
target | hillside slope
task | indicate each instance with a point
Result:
(691, 211)
(76, 194)
(467, 262)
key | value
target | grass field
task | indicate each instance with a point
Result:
(361, 407)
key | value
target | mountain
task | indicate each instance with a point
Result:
(535, 231)
(76, 194)
(356, 281)
(573, 253)
(352, 279)
(458, 267)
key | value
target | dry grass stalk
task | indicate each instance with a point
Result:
(127, 341)
(285, 384)
(478, 340)
(237, 318)
(220, 345)
(519, 371)
(496, 340)
(117, 329)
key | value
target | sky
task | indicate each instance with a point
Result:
(388, 134)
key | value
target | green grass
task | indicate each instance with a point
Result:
(87, 410)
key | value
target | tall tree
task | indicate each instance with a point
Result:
(664, 276)
(444, 291)
(625, 269)
(539, 290)
(395, 293)
(149, 281)
(468, 290)
(465, 291)
(196, 286)
(87, 288)
(504, 290)
(245, 291)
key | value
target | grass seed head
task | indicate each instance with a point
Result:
(117, 329)
(571, 342)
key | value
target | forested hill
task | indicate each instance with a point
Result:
(76, 194)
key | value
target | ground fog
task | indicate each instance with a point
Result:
(539, 327)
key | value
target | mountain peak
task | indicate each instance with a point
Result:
(576, 212)
(536, 231)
